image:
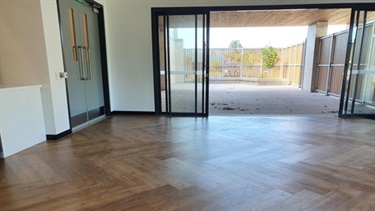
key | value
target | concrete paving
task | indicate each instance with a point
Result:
(244, 99)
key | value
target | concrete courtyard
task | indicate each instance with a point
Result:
(244, 99)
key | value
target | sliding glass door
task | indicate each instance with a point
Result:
(358, 93)
(183, 58)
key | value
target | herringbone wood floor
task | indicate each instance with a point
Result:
(219, 163)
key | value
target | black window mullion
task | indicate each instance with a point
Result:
(352, 61)
(359, 60)
(165, 64)
(207, 48)
(203, 60)
(168, 67)
(196, 64)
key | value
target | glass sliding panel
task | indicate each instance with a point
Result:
(182, 63)
(182, 69)
(360, 80)
(200, 64)
(162, 63)
(365, 71)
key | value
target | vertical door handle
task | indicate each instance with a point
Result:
(80, 63)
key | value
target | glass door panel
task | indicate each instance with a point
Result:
(200, 64)
(71, 27)
(359, 83)
(82, 60)
(182, 51)
(163, 63)
(182, 64)
(92, 60)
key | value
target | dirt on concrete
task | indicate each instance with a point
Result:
(244, 99)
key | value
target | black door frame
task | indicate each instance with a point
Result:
(103, 56)
(347, 82)
(155, 12)
(166, 12)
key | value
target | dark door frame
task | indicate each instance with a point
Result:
(103, 56)
(155, 41)
(346, 83)
(156, 11)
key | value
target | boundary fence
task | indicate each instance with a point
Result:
(247, 63)
(331, 63)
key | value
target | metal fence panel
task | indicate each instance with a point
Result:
(247, 62)
(331, 65)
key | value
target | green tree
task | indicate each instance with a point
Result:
(236, 55)
(235, 44)
(270, 57)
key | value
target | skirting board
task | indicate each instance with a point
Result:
(58, 136)
(134, 112)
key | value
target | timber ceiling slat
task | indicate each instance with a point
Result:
(278, 17)
(262, 18)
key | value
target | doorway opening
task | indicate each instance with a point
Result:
(183, 74)
(257, 63)
(321, 64)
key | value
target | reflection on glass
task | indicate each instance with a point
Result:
(162, 64)
(360, 98)
(182, 68)
(182, 47)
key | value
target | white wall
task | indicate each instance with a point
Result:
(22, 48)
(55, 101)
(30, 54)
(129, 45)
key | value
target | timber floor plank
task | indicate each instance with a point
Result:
(129, 162)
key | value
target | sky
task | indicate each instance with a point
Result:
(258, 37)
(253, 37)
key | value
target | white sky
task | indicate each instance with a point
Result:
(257, 37)
(253, 37)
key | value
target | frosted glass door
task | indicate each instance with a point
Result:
(81, 46)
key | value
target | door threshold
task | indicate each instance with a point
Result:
(89, 123)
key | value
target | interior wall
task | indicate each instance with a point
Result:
(26, 56)
(129, 45)
(22, 50)
(54, 96)
(31, 54)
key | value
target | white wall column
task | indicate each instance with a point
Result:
(309, 76)
(55, 100)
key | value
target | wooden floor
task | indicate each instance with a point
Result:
(219, 163)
